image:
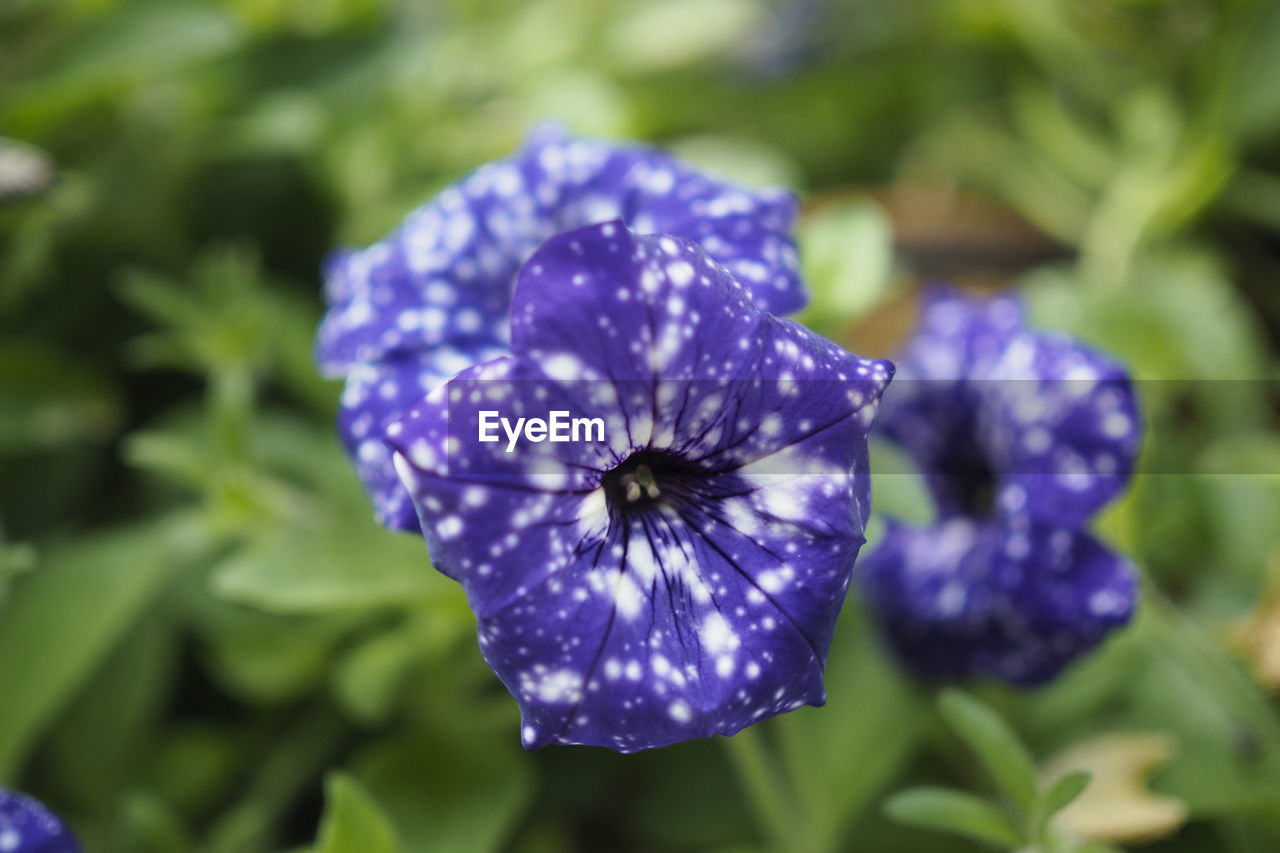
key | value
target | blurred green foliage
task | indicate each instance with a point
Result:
(207, 644)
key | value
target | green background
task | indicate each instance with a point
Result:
(207, 644)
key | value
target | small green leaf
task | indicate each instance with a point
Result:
(353, 822)
(1063, 792)
(995, 743)
(945, 810)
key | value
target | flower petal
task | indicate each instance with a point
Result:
(630, 621)
(374, 396)
(931, 410)
(632, 631)
(1052, 426)
(1012, 602)
(1060, 424)
(662, 341)
(28, 827)
(445, 275)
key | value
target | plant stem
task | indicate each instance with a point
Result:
(760, 781)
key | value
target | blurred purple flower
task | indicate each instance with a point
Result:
(413, 309)
(680, 577)
(28, 827)
(1022, 436)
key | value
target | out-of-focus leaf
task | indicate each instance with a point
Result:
(65, 618)
(217, 320)
(954, 811)
(1117, 806)
(194, 765)
(1254, 454)
(328, 565)
(267, 657)
(285, 123)
(847, 251)
(739, 159)
(149, 37)
(448, 794)
(1074, 146)
(1064, 791)
(47, 400)
(368, 677)
(670, 33)
(1003, 755)
(1056, 796)
(96, 747)
(590, 103)
(148, 824)
(15, 559)
(352, 822)
(842, 756)
(1255, 101)
(1199, 329)
(899, 487)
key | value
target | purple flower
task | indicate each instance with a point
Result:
(433, 297)
(28, 827)
(681, 575)
(1022, 436)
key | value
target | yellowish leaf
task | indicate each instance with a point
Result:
(1118, 807)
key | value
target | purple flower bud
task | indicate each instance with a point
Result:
(1021, 436)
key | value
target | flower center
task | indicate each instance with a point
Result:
(976, 486)
(646, 479)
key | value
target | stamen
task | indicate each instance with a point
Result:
(646, 478)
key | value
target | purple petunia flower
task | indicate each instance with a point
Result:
(433, 297)
(28, 827)
(680, 576)
(1022, 436)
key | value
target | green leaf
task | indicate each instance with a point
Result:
(147, 822)
(956, 812)
(667, 34)
(15, 559)
(1063, 792)
(839, 763)
(353, 822)
(95, 749)
(368, 678)
(266, 657)
(458, 792)
(743, 160)
(1254, 99)
(1060, 793)
(327, 564)
(847, 249)
(995, 743)
(63, 620)
(148, 38)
